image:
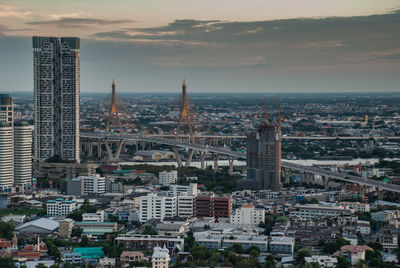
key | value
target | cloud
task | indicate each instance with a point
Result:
(301, 41)
(65, 22)
(13, 11)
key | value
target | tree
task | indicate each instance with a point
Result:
(84, 241)
(7, 262)
(301, 254)
(269, 261)
(199, 253)
(76, 232)
(254, 251)
(249, 263)
(207, 227)
(237, 248)
(148, 230)
(6, 230)
(189, 241)
(343, 263)
(40, 265)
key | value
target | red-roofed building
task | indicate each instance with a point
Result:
(353, 253)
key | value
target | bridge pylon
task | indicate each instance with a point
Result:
(113, 122)
(185, 125)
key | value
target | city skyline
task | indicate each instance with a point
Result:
(263, 47)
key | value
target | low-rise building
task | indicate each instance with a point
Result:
(65, 227)
(282, 245)
(177, 190)
(322, 260)
(72, 257)
(39, 226)
(60, 207)
(130, 256)
(93, 217)
(167, 178)
(248, 214)
(363, 227)
(352, 253)
(160, 258)
(388, 237)
(314, 211)
(357, 206)
(385, 215)
(143, 242)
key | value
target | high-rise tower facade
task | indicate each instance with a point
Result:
(6, 157)
(56, 73)
(263, 161)
(22, 154)
(269, 140)
(6, 109)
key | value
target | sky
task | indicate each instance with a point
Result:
(217, 45)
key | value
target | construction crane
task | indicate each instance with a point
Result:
(278, 108)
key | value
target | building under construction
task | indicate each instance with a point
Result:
(263, 149)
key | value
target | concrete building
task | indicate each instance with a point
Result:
(177, 190)
(60, 207)
(6, 157)
(65, 227)
(160, 258)
(357, 206)
(185, 205)
(93, 217)
(210, 205)
(248, 214)
(167, 178)
(363, 227)
(56, 77)
(75, 186)
(314, 211)
(352, 253)
(22, 155)
(94, 184)
(282, 245)
(6, 109)
(153, 206)
(264, 156)
(144, 242)
(388, 237)
(322, 260)
(45, 170)
(72, 257)
(130, 256)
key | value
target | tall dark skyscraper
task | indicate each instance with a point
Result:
(264, 156)
(56, 77)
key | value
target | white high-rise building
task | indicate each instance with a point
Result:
(6, 157)
(185, 205)
(167, 178)
(22, 154)
(177, 190)
(153, 206)
(248, 214)
(56, 78)
(93, 184)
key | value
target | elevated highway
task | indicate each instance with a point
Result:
(326, 174)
